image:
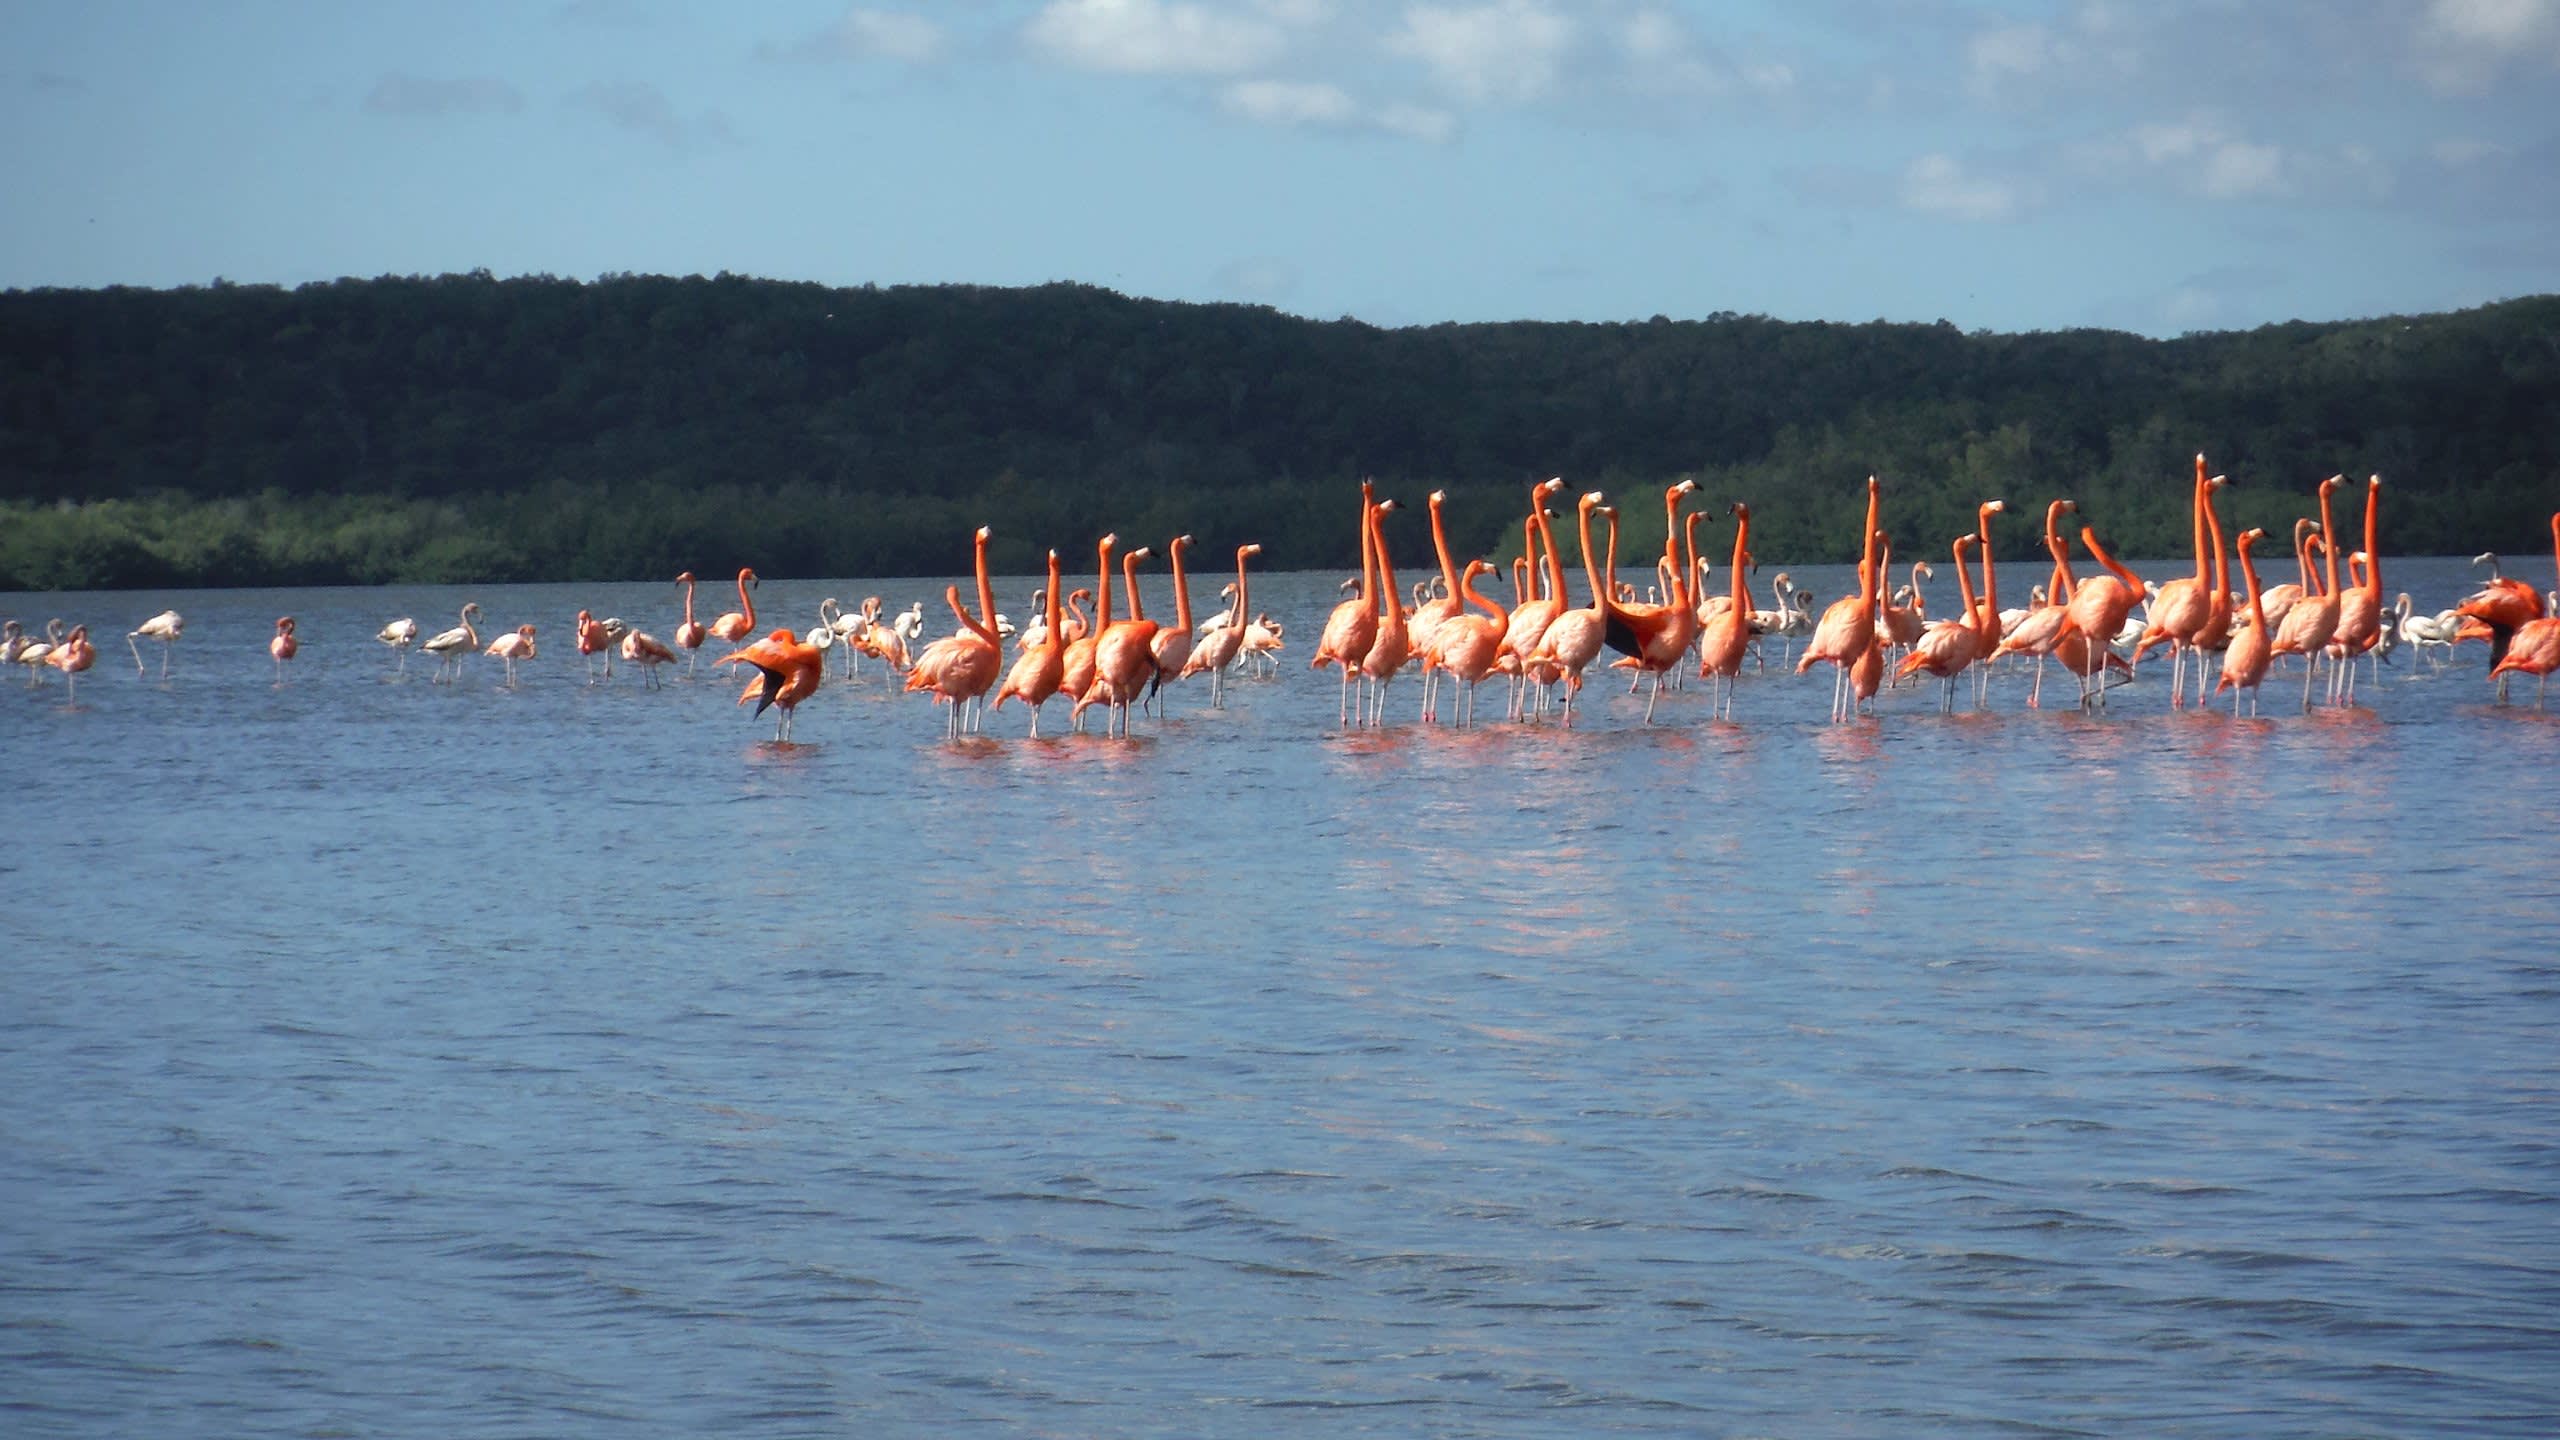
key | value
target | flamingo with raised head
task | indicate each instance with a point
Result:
(450, 646)
(1468, 646)
(512, 648)
(1725, 637)
(735, 625)
(689, 635)
(2245, 659)
(2360, 607)
(1352, 627)
(1217, 649)
(1169, 649)
(1393, 643)
(2306, 628)
(1039, 668)
(1574, 638)
(1847, 629)
(1123, 663)
(959, 669)
(1948, 647)
(2097, 612)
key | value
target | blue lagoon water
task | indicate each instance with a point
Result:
(386, 1058)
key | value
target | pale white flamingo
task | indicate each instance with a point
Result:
(165, 627)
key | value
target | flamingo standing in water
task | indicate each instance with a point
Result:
(592, 641)
(960, 669)
(1217, 649)
(449, 646)
(165, 627)
(2244, 661)
(1081, 646)
(1393, 644)
(512, 648)
(645, 650)
(1574, 638)
(1425, 620)
(2180, 607)
(1948, 647)
(1657, 636)
(1169, 649)
(788, 671)
(2098, 609)
(2535, 647)
(690, 634)
(1538, 608)
(2502, 607)
(72, 656)
(2306, 628)
(400, 634)
(736, 625)
(2360, 607)
(1725, 637)
(1469, 646)
(1847, 629)
(1353, 626)
(283, 646)
(1042, 665)
(1122, 660)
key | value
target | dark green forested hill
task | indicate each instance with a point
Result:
(463, 427)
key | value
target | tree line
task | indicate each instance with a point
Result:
(466, 428)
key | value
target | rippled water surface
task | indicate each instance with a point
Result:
(392, 1058)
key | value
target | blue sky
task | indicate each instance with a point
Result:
(2155, 167)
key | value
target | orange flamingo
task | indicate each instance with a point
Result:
(1468, 646)
(1037, 671)
(512, 648)
(591, 641)
(1986, 623)
(1353, 626)
(2497, 611)
(1218, 649)
(2245, 660)
(2306, 628)
(1531, 617)
(2039, 632)
(788, 671)
(2181, 606)
(2360, 607)
(1424, 622)
(2215, 635)
(1946, 648)
(2097, 610)
(1574, 638)
(2534, 649)
(1393, 644)
(72, 656)
(690, 634)
(1078, 677)
(737, 624)
(1726, 635)
(1169, 649)
(1122, 661)
(283, 647)
(1847, 629)
(959, 669)
(1657, 637)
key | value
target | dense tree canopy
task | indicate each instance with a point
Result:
(464, 428)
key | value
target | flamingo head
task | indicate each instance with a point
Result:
(685, 579)
(1244, 550)
(2216, 483)
(1547, 487)
(2330, 486)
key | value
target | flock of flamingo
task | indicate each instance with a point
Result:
(1542, 644)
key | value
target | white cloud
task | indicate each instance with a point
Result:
(1316, 104)
(2467, 43)
(1509, 51)
(2201, 156)
(891, 35)
(1151, 37)
(1289, 102)
(1935, 184)
(1994, 55)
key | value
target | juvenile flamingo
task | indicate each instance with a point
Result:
(165, 627)
(449, 646)
(400, 634)
(512, 648)
(1217, 649)
(647, 651)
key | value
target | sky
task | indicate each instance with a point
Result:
(2162, 168)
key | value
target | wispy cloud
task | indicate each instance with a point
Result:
(1156, 37)
(866, 33)
(1937, 184)
(1507, 52)
(399, 93)
(644, 109)
(1316, 104)
(2467, 44)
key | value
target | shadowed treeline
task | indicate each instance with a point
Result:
(465, 428)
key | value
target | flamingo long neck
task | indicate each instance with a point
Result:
(2219, 602)
(1053, 614)
(1129, 577)
(1600, 596)
(1102, 586)
(1470, 595)
(2555, 544)
(986, 626)
(1440, 543)
(467, 628)
(2373, 541)
(2196, 523)
(1990, 575)
(1181, 586)
(1243, 607)
(1741, 559)
(746, 601)
(2058, 589)
(2328, 542)
(2249, 578)
(1688, 597)
(688, 602)
(1520, 574)
(1386, 572)
(2099, 553)
(1671, 542)
(1868, 573)
(1368, 552)
(1964, 580)
(1554, 570)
